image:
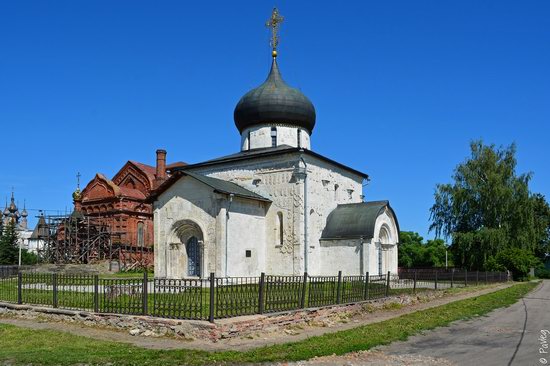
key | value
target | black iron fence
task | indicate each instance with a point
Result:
(215, 297)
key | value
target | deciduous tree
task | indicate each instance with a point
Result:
(489, 208)
(414, 253)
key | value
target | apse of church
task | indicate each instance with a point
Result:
(276, 206)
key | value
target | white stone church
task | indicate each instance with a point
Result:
(276, 206)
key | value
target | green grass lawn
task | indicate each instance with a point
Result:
(233, 299)
(41, 347)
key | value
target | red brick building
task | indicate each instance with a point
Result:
(122, 203)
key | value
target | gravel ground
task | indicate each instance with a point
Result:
(370, 358)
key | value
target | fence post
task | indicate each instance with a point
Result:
(465, 277)
(54, 283)
(96, 294)
(486, 277)
(144, 292)
(387, 283)
(435, 286)
(212, 294)
(414, 286)
(500, 277)
(261, 293)
(452, 277)
(19, 287)
(477, 278)
(304, 289)
(366, 295)
(339, 288)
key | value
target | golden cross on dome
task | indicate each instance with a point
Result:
(274, 22)
(78, 179)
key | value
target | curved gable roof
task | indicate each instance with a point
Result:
(355, 220)
(147, 173)
(107, 185)
(107, 188)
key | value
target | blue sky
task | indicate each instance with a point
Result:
(400, 87)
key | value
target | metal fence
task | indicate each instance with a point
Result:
(221, 297)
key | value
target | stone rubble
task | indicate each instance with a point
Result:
(253, 326)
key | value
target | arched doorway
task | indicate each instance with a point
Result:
(383, 241)
(194, 257)
(189, 259)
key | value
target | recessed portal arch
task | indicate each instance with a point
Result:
(190, 236)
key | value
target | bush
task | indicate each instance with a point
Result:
(516, 260)
(28, 257)
(542, 273)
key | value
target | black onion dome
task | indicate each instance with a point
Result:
(274, 102)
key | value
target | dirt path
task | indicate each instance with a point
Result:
(239, 343)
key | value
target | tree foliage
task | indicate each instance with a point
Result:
(9, 252)
(28, 257)
(488, 208)
(516, 260)
(414, 252)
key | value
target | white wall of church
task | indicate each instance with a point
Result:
(190, 200)
(185, 200)
(246, 232)
(329, 186)
(274, 178)
(382, 251)
(340, 255)
(260, 136)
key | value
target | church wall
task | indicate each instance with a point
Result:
(186, 199)
(339, 255)
(274, 178)
(246, 232)
(260, 136)
(328, 186)
(387, 246)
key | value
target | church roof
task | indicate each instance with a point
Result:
(40, 230)
(274, 102)
(148, 170)
(264, 152)
(218, 185)
(355, 220)
(117, 190)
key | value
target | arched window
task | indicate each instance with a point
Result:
(249, 144)
(299, 137)
(280, 229)
(273, 136)
(140, 235)
(130, 183)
